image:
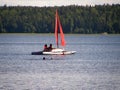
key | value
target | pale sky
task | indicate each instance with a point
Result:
(56, 2)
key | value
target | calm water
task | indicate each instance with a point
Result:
(95, 66)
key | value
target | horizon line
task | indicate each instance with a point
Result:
(58, 5)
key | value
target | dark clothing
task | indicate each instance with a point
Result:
(50, 47)
(45, 48)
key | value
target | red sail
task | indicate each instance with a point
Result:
(56, 28)
(61, 33)
(58, 24)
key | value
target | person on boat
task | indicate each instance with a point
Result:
(45, 47)
(50, 47)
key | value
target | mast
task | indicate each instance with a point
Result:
(56, 28)
(58, 25)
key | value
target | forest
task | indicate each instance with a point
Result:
(76, 19)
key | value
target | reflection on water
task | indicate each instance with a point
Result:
(95, 66)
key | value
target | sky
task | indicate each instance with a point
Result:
(41, 3)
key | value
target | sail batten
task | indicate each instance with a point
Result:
(59, 26)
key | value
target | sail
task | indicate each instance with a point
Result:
(61, 33)
(56, 28)
(58, 25)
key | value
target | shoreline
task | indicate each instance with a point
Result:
(53, 34)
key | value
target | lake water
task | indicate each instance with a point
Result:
(95, 66)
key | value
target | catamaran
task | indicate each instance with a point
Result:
(56, 51)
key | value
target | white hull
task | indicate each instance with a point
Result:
(58, 51)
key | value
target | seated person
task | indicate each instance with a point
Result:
(45, 47)
(50, 47)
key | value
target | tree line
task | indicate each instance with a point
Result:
(74, 19)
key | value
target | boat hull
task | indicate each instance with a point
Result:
(54, 51)
(59, 53)
(37, 53)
